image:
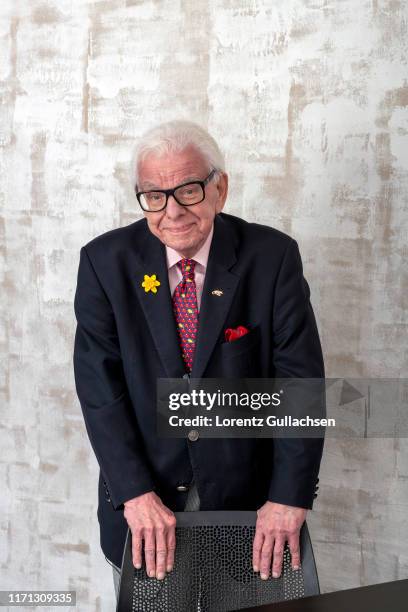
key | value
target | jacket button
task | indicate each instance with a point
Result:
(107, 494)
(182, 488)
(193, 435)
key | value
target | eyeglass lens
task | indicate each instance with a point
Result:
(186, 194)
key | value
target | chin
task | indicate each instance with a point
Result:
(183, 246)
(180, 244)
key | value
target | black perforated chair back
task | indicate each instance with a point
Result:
(213, 569)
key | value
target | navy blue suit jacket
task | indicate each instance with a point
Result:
(126, 338)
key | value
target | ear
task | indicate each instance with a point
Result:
(222, 189)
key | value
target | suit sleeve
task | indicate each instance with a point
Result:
(102, 391)
(297, 354)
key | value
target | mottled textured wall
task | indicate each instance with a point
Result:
(309, 100)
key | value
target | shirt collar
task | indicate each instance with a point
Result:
(200, 257)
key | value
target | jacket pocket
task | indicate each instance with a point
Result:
(241, 358)
(241, 345)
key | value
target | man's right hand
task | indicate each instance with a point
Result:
(150, 520)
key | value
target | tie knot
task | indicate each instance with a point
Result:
(187, 268)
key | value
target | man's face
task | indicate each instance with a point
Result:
(185, 229)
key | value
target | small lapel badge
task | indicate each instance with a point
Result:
(217, 292)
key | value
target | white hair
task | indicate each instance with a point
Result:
(173, 137)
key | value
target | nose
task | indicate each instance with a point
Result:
(173, 209)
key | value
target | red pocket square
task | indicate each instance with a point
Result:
(234, 333)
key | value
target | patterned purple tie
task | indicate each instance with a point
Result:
(185, 310)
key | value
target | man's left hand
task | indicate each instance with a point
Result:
(276, 524)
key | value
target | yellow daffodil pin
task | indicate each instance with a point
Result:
(150, 283)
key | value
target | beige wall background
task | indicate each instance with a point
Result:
(309, 101)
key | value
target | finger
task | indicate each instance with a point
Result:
(294, 547)
(161, 551)
(278, 556)
(150, 551)
(256, 550)
(171, 547)
(137, 548)
(266, 556)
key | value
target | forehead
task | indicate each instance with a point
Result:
(172, 168)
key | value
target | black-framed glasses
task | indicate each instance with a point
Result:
(186, 194)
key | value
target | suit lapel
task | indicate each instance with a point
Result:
(214, 308)
(158, 307)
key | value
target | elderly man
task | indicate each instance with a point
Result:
(153, 300)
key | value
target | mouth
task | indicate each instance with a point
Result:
(180, 230)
